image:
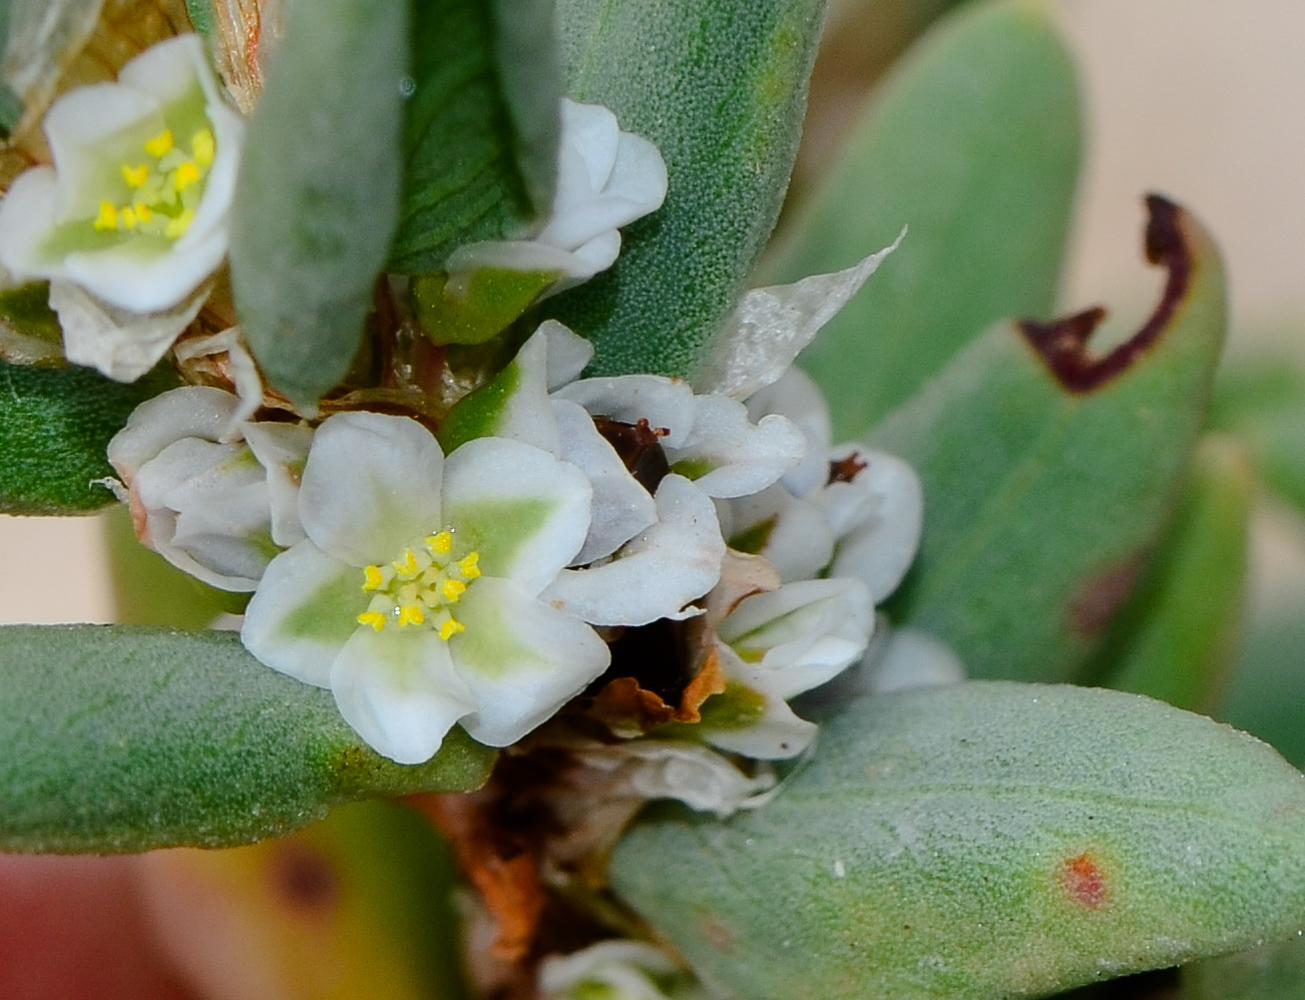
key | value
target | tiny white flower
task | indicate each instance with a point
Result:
(606, 179)
(608, 970)
(215, 505)
(134, 208)
(414, 597)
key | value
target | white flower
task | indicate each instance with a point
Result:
(608, 970)
(415, 594)
(134, 208)
(606, 178)
(219, 509)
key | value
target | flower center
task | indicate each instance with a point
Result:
(166, 186)
(420, 587)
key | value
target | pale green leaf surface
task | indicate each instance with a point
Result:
(317, 197)
(1044, 492)
(978, 841)
(127, 739)
(974, 142)
(55, 424)
(480, 129)
(1177, 638)
(1264, 404)
(721, 89)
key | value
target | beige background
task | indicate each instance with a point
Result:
(1202, 100)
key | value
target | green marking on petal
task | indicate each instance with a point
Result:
(489, 646)
(753, 540)
(479, 413)
(497, 529)
(693, 468)
(489, 301)
(737, 707)
(329, 614)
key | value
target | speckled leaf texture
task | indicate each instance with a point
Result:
(1050, 469)
(974, 142)
(55, 423)
(982, 841)
(127, 739)
(721, 88)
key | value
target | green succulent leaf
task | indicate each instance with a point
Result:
(127, 739)
(982, 840)
(1177, 638)
(720, 88)
(480, 128)
(317, 197)
(974, 142)
(55, 426)
(1263, 403)
(1049, 471)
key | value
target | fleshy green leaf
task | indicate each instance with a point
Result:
(127, 739)
(720, 88)
(974, 142)
(1264, 404)
(54, 428)
(317, 197)
(29, 329)
(978, 841)
(1177, 637)
(1048, 471)
(480, 129)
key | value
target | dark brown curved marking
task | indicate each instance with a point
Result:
(1062, 343)
(639, 446)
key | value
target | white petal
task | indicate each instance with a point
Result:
(882, 547)
(515, 255)
(526, 415)
(775, 734)
(771, 325)
(370, 487)
(169, 70)
(908, 658)
(142, 279)
(804, 633)
(282, 449)
(592, 256)
(27, 214)
(117, 342)
(621, 507)
(191, 411)
(568, 354)
(521, 659)
(731, 456)
(665, 403)
(243, 371)
(587, 147)
(799, 542)
(304, 611)
(797, 397)
(623, 966)
(524, 511)
(657, 573)
(397, 688)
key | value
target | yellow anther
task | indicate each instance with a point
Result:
(180, 224)
(450, 628)
(202, 147)
(410, 614)
(372, 577)
(136, 176)
(469, 566)
(373, 618)
(161, 144)
(187, 174)
(406, 564)
(108, 217)
(440, 544)
(452, 589)
(143, 212)
(128, 217)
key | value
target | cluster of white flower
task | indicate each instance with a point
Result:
(479, 573)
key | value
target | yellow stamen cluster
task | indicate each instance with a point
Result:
(164, 194)
(419, 587)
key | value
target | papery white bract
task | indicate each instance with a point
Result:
(134, 208)
(606, 178)
(215, 506)
(414, 595)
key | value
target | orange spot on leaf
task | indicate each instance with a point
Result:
(1084, 881)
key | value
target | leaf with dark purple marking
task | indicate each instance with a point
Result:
(1049, 469)
(979, 841)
